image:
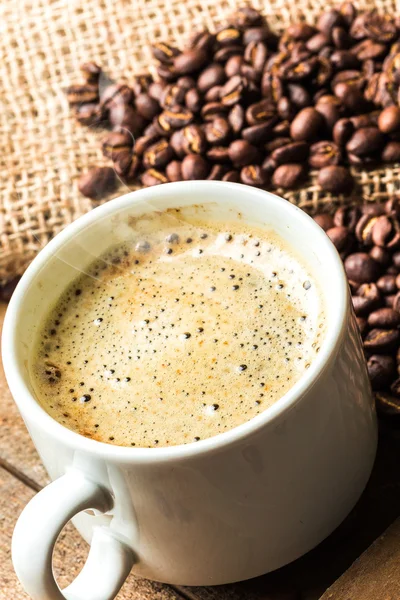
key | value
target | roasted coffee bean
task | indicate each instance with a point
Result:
(190, 61)
(396, 260)
(233, 90)
(153, 177)
(172, 95)
(140, 84)
(360, 267)
(146, 106)
(118, 93)
(384, 318)
(335, 179)
(193, 100)
(173, 118)
(194, 167)
(78, 94)
(261, 112)
(288, 176)
(97, 182)
(381, 340)
(342, 131)
(385, 232)
(236, 118)
(242, 153)
(387, 405)
(89, 114)
(307, 125)
(298, 95)
(392, 206)
(193, 140)
(331, 109)
(125, 117)
(347, 216)
(301, 31)
(256, 54)
(217, 132)
(213, 94)
(127, 166)
(257, 134)
(253, 175)
(91, 72)
(324, 154)
(174, 171)
(228, 36)
(328, 20)
(211, 76)
(233, 176)
(224, 54)
(381, 255)
(233, 65)
(365, 141)
(204, 40)
(387, 284)
(364, 228)
(317, 42)
(296, 152)
(341, 239)
(391, 152)
(381, 369)
(212, 110)
(117, 143)
(219, 154)
(389, 120)
(256, 34)
(158, 155)
(144, 142)
(324, 220)
(217, 172)
(163, 52)
(396, 302)
(366, 299)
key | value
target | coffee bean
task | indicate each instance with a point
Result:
(347, 216)
(360, 267)
(144, 142)
(253, 175)
(91, 72)
(291, 153)
(146, 106)
(194, 167)
(163, 52)
(335, 179)
(365, 141)
(217, 131)
(385, 232)
(307, 125)
(367, 298)
(381, 369)
(341, 239)
(381, 340)
(242, 153)
(116, 94)
(211, 76)
(141, 83)
(233, 90)
(193, 140)
(342, 131)
(257, 134)
(387, 284)
(212, 110)
(288, 176)
(256, 54)
(236, 118)
(381, 255)
(127, 166)
(387, 405)
(126, 118)
(324, 154)
(256, 34)
(79, 94)
(190, 61)
(193, 100)
(89, 114)
(389, 120)
(217, 172)
(385, 318)
(391, 152)
(153, 177)
(324, 220)
(117, 143)
(97, 182)
(158, 155)
(174, 171)
(233, 176)
(246, 16)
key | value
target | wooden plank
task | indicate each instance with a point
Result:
(375, 575)
(69, 556)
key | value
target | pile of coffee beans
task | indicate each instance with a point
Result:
(368, 240)
(247, 105)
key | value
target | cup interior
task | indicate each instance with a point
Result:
(73, 250)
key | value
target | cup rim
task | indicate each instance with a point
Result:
(30, 407)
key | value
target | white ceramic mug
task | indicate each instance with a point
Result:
(224, 509)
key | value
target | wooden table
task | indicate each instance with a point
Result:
(22, 475)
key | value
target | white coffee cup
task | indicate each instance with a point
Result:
(227, 508)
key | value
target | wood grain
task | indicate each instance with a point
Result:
(69, 556)
(375, 575)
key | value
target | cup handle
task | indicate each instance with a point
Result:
(39, 525)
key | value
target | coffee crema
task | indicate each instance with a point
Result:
(186, 331)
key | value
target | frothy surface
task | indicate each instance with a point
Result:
(185, 332)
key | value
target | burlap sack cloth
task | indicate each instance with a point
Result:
(43, 150)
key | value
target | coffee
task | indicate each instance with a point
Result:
(185, 331)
